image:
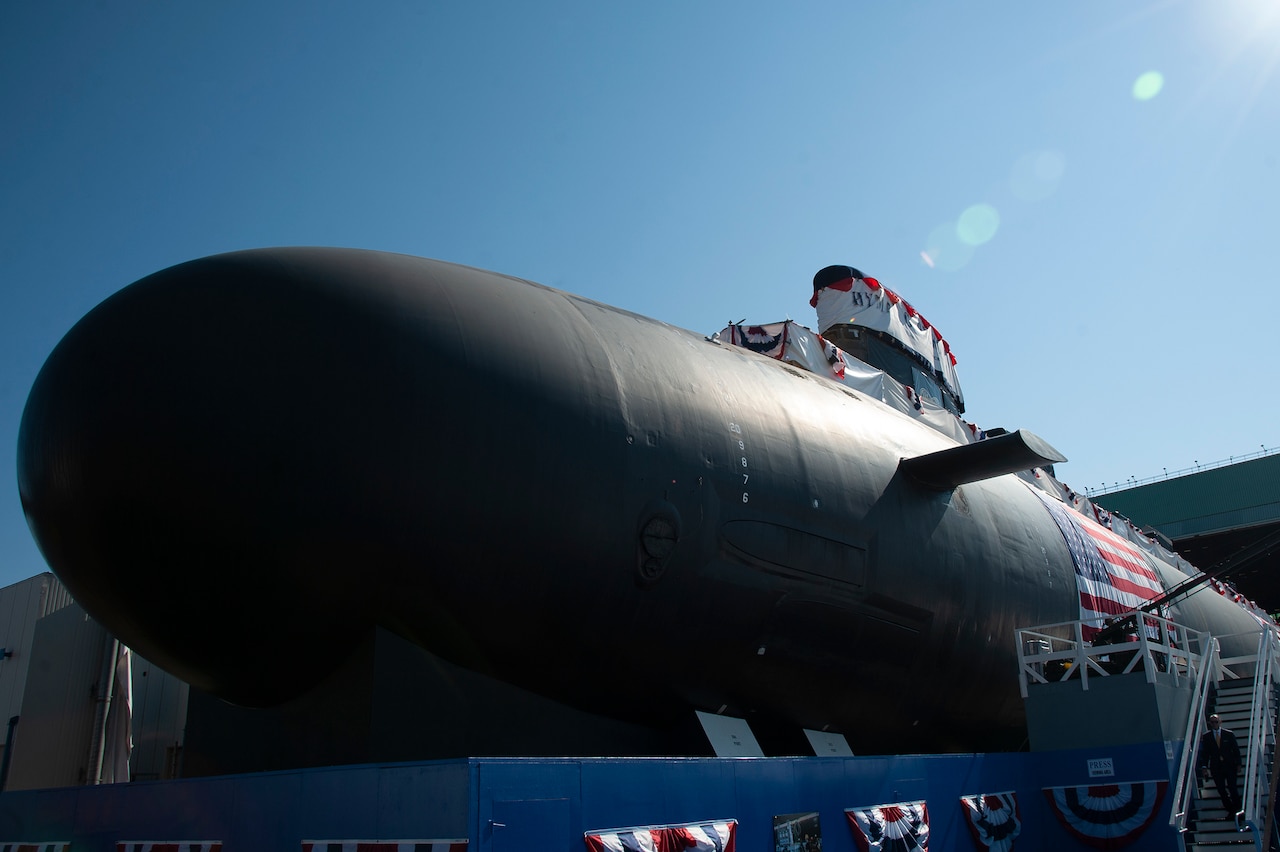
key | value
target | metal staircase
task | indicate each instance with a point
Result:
(1247, 706)
(1213, 826)
(1242, 690)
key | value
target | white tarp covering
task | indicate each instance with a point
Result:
(868, 303)
(795, 344)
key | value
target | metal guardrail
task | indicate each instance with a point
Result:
(1184, 786)
(1134, 482)
(1259, 710)
(1264, 669)
(1055, 653)
(1262, 737)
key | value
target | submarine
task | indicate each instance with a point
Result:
(243, 464)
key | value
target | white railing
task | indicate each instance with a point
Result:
(1133, 482)
(1242, 666)
(1184, 788)
(1055, 653)
(1262, 737)
(1263, 668)
(1260, 731)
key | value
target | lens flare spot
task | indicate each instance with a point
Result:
(1036, 175)
(1148, 86)
(978, 224)
(943, 250)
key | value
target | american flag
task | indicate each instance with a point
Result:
(1113, 576)
(703, 837)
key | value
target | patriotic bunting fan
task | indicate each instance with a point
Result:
(993, 819)
(903, 827)
(59, 846)
(1107, 816)
(715, 836)
(768, 340)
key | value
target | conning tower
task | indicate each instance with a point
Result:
(874, 324)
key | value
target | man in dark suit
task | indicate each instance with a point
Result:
(1220, 754)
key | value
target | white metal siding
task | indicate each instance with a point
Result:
(51, 743)
(56, 597)
(50, 682)
(159, 721)
(20, 605)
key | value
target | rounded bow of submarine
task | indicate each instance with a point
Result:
(201, 462)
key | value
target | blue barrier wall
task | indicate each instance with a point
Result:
(548, 803)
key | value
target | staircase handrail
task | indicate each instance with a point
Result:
(1261, 731)
(1207, 673)
(1241, 666)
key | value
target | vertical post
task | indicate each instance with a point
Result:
(1269, 807)
(106, 686)
(1148, 659)
(1082, 657)
(1020, 642)
(8, 752)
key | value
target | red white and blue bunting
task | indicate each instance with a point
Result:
(993, 819)
(717, 836)
(768, 340)
(384, 846)
(901, 827)
(57, 846)
(169, 846)
(1107, 816)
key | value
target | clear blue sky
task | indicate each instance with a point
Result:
(1084, 197)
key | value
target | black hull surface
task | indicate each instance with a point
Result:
(244, 464)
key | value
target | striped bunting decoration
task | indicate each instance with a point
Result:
(169, 846)
(384, 846)
(1107, 816)
(903, 827)
(993, 819)
(57, 846)
(718, 836)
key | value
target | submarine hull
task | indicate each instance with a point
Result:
(245, 464)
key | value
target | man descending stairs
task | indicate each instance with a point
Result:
(1216, 826)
